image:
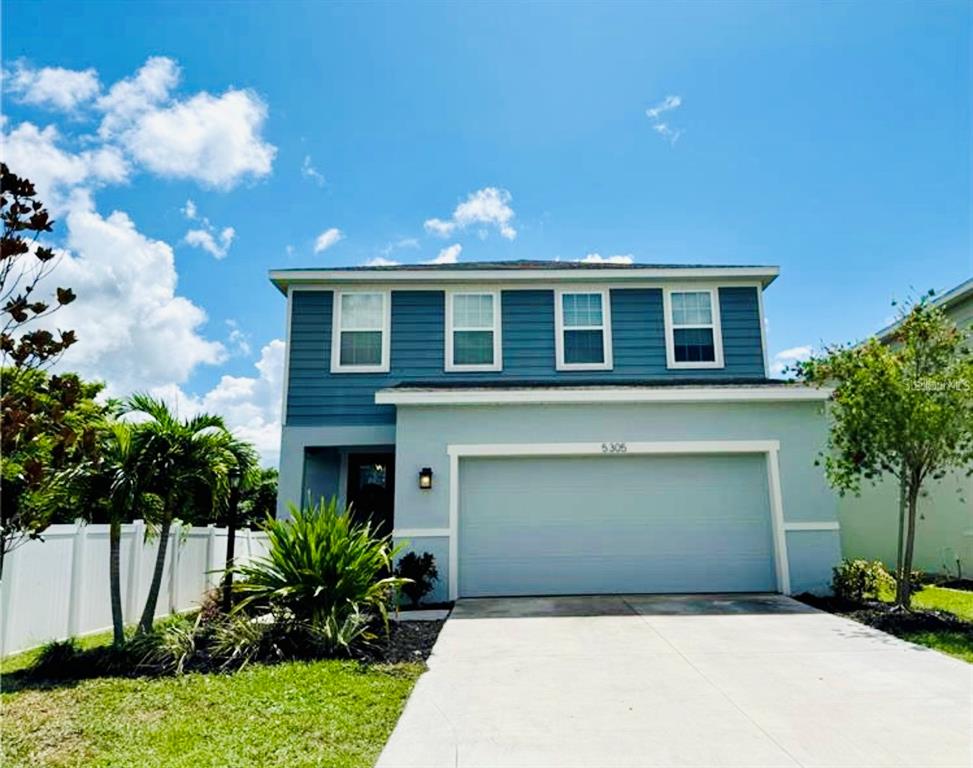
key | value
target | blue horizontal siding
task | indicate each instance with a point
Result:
(318, 397)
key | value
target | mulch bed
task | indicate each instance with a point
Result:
(966, 584)
(887, 618)
(407, 641)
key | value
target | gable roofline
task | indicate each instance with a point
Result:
(953, 296)
(512, 272)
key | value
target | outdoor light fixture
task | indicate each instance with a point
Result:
(425, 478)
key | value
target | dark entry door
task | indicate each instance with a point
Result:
(371, 489)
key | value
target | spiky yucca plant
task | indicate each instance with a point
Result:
(322, 567)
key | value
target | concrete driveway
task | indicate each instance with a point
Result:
(703, 681)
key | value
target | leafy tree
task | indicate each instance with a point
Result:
(37, 418)
(258, 501)
(180, 461)
(23, 264)
(902, 407)
(49, 424)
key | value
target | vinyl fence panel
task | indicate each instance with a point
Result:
(58, 587)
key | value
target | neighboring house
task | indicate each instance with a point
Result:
(944, 531)
(552, 428)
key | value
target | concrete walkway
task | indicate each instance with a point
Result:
(705, 681)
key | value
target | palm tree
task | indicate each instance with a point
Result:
(107, 483)
(244, 472)
(181, 461)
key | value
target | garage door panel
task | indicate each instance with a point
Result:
(614, 524)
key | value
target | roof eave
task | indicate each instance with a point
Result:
(285, 278)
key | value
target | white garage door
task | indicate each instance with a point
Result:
(614, 524)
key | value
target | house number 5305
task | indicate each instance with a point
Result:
(614, 447)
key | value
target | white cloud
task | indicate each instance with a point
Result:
(238, 340)
(36, 153)
(212, 139)
(134, 331)
(788, 357)
(488, 206)
(659, 125)
(667, 104)
(215, 140)
(52, 87)
(133, 96)
(308, 171)
(400, 244)
(381, 261)
(217, 245)
(448, 255)
(250, 405)
(327, 238)
(597, 258)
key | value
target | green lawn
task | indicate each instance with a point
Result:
(959, 602)
(955, 601)
(324, 713)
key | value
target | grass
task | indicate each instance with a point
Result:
(955, 644)
(323, 713)
(958, 602)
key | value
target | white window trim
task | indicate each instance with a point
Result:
(497, 364)
(383, 367)
(714, 294)
(606, 329)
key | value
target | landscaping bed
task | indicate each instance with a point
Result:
(939, 618)
(91, 706)
(408, 641)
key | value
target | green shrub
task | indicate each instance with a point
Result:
(57, 659)
(858, 580)
(169, 648)
(421, 572)
(238, 639)
(340, 631)
(323, 569)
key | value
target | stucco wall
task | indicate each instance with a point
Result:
(423, 434)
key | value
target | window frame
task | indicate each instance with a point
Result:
(386, 330)
(497, 364)
(606, 329)
(716, 326)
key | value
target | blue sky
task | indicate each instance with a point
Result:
(830, 139)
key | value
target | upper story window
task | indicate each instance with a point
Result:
(693, 338)
(583, 320)
(360, 338)
(473, 331)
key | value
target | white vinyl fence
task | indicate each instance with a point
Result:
(58, 587)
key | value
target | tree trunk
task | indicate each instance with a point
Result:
(903, 503)
(234, 503)
(148, 613)
(114, 578)
(904, 592)
(3, 551)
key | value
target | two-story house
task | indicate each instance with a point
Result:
(552, 428)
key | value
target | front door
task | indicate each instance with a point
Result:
(371, 489)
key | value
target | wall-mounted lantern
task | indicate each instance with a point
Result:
(425, 478)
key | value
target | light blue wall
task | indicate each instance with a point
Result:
(423, 433)
(295, 442)
(316, 397)
(438, 547)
